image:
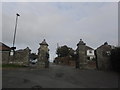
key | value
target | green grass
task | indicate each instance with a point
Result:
(12, 66)
(0, 65)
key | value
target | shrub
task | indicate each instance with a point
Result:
(115, 59)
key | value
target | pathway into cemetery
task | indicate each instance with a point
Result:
(58, 76)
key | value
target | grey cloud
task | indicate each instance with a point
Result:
(45, 20)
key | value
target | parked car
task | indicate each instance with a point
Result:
(33, 61)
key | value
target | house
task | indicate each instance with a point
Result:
(4, 52)
(21, 56)
(4, 47)
(90, 53)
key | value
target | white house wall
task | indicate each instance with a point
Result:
(90, 54)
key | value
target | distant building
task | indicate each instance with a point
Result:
(103, 56)
(90, 53)
(43, 54)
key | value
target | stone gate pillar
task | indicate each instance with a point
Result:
(81, 50)
(103, 57)
(43, 55)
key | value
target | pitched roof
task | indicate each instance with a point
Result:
(4, 47)
(89, 48)
(105, 46)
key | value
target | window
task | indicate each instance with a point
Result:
(11, 53)
(108, 53)
(90, 51)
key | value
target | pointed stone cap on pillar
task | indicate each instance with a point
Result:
(44, 43)
(28, 49)
(105, 43)
(81, 43)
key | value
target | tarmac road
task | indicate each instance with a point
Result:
(58, 77)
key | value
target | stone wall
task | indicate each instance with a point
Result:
(65, 61)
(82, 54)
(5, 56)
(42, 59)
(103, 61)
(20, 57)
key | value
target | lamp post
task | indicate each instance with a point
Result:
(13, 48)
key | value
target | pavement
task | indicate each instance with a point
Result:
(58, 76)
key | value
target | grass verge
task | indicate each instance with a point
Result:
(12, 66)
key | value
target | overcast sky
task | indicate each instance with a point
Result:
(60, 22)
